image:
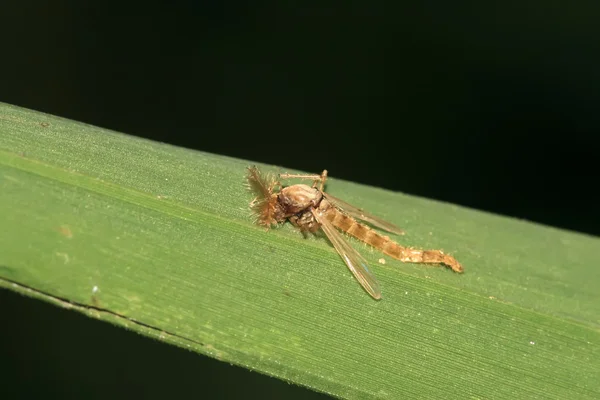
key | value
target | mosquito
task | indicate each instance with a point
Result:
(311, 209)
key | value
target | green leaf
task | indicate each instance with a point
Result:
(159, 239)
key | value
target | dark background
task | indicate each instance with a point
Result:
(492, 106)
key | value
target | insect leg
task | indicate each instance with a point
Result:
(322, 178)
(314, 177)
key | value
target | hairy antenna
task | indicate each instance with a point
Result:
(264, 206)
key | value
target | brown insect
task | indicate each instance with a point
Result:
(309, 208)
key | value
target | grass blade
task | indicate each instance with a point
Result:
(158, 239)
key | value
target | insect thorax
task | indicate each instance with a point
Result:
(298, 198)
(306, 221)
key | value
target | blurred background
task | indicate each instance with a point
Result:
(490, 106)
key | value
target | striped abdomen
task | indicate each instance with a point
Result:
(383, 243)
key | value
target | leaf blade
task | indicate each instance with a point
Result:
(149, 225)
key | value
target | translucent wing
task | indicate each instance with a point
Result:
(363, 215)
(355, 262)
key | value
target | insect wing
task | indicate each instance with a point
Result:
(355, 262)
(363, 215)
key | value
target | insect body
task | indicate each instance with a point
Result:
(309, 208)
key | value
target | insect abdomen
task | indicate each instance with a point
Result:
(386, 245)
(358, 230)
